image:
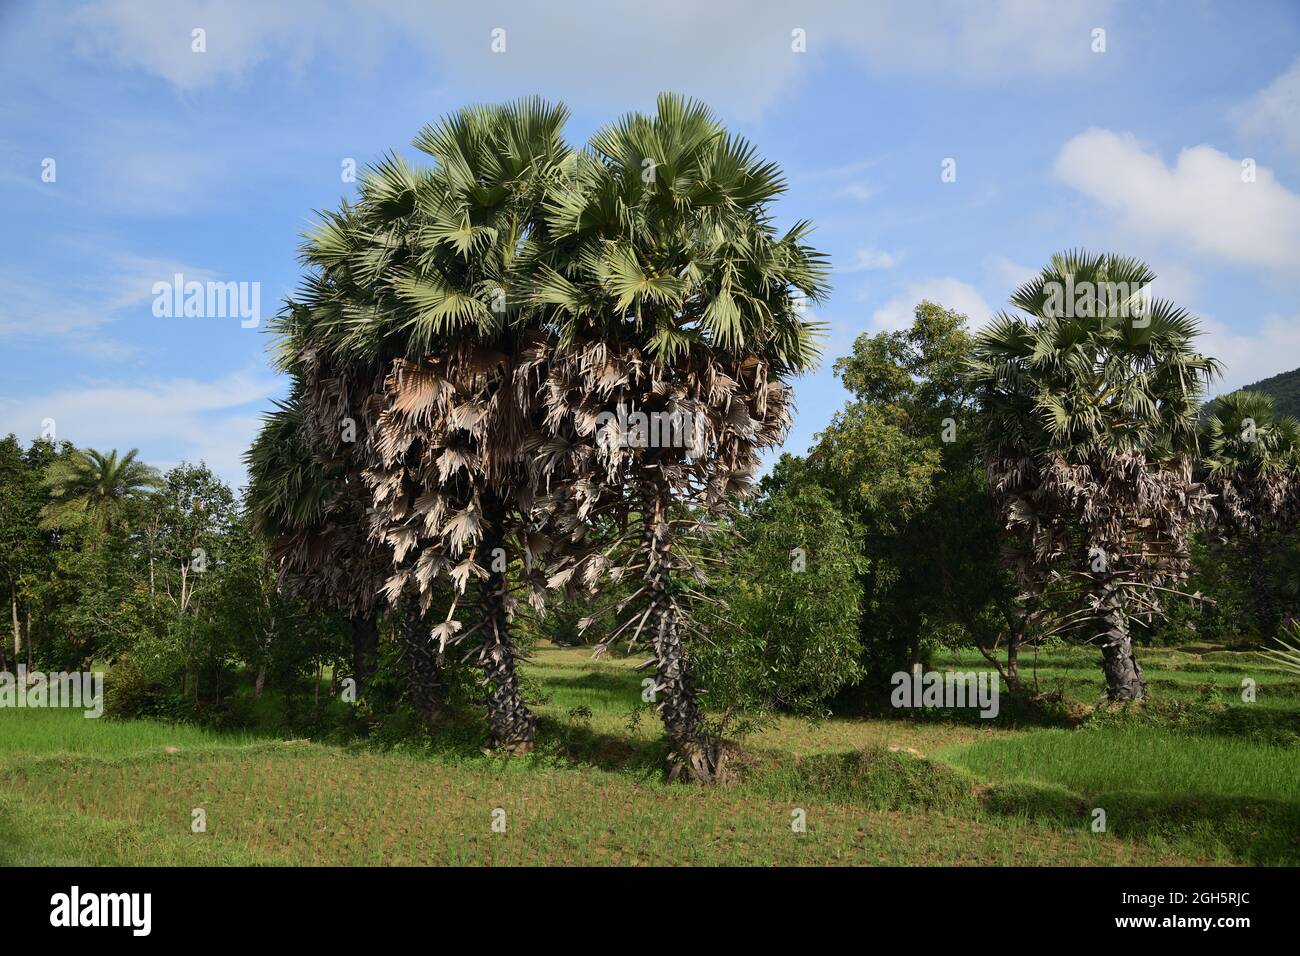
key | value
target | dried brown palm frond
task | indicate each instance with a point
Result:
(449, 479)
(1113, 529)
(708, 420)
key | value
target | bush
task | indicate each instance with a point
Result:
(144, 682)
(788, 638)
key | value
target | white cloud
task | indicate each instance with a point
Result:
(738, 51)
(976, 41)
(951, 293)
(1174, 281)
(1273, 346)
(866, 259)
(1201, 203)
(1273, 114)
(170, 420)
(157, 36)
(844, 181)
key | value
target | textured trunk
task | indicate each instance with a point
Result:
(365, 649)
(695, 754)
(424, 682)
(259, 685)
(1265, 608)
(513, 725)
(1123, 673)
(13, 608)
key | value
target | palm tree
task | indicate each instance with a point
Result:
(315, 522)
(674, 299)
(1090, 401)
(410, 325)
(89, 487)
(1250, 455)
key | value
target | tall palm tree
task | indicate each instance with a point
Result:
(1090, 401)
(89, 487)
(410, 325)
(1250, 456)
(674, 298)
(315, 520)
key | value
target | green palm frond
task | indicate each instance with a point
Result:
(90, 487)
(1286, 654)
(1090, 361)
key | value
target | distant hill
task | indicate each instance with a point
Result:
(1285, 389)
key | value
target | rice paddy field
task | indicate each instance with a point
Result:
(1198, 776)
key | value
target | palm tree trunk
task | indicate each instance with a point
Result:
(695, 754)
(13, 606)
(425, 687)
(1013, 661)
(514, 727)
(365, 649)
(1265, 608)
(1123, 673)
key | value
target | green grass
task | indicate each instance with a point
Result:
(33, 733)
(1199, 777)
(1221, 799)
(310, 805)
(1137, 759)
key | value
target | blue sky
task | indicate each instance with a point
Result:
(209, 164)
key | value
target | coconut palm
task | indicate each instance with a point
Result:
(674, 304)
(409, 325)
(1090, 397)
(1250, 457)
(89, 487)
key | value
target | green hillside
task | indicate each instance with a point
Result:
(1285, 389)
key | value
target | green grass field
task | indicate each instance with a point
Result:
(1198, 777)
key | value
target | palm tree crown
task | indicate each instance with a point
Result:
(1107, 373)
(89, 486)
(671, 244)
(1251, 458)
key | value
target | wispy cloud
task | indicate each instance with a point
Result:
(745, 54)
(1273, 114)
(169, 420)
(89, 289)
(868, 259)
(1271, 346)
